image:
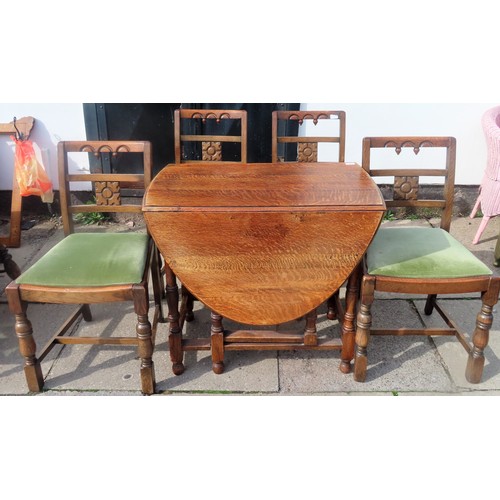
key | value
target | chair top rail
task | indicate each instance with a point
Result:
(416, 142)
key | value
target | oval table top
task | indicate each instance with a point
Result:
(263, 243)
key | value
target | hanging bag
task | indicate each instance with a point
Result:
(30, 173)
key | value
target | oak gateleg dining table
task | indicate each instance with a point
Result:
(262, 244)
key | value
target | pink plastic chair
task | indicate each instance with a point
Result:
(489, 191)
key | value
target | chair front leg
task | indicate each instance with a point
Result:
(27, 345)
(364, 323)
(145, 339)
(480, 337)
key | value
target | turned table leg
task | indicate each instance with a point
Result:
(310, 332)
(217, 343)
(175, 333)
(348, 324)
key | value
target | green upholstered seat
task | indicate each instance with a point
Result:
(91, 259)
(416, 252)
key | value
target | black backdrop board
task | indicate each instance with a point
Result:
(141, 122)
(155, 122)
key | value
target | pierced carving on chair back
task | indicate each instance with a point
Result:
(404, 144)
(314, 116)
(211, 115)
(107, 193)
(122, 148)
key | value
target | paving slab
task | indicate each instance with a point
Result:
(245, 371)
(454, 356)
(393, 362)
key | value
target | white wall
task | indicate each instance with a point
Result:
(462, 121)
(53, 123)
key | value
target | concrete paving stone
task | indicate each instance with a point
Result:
(245, 371)
(393, 362)
(454, 356)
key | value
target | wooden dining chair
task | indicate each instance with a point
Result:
(93, 267)
(202, 135)
(210, 135)
(304, 148)
(422, 260)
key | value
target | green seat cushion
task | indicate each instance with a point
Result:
(91, 259)
(420, 252)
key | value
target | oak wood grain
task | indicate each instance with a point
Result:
(252, 241)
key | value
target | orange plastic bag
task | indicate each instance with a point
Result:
(30, 174)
